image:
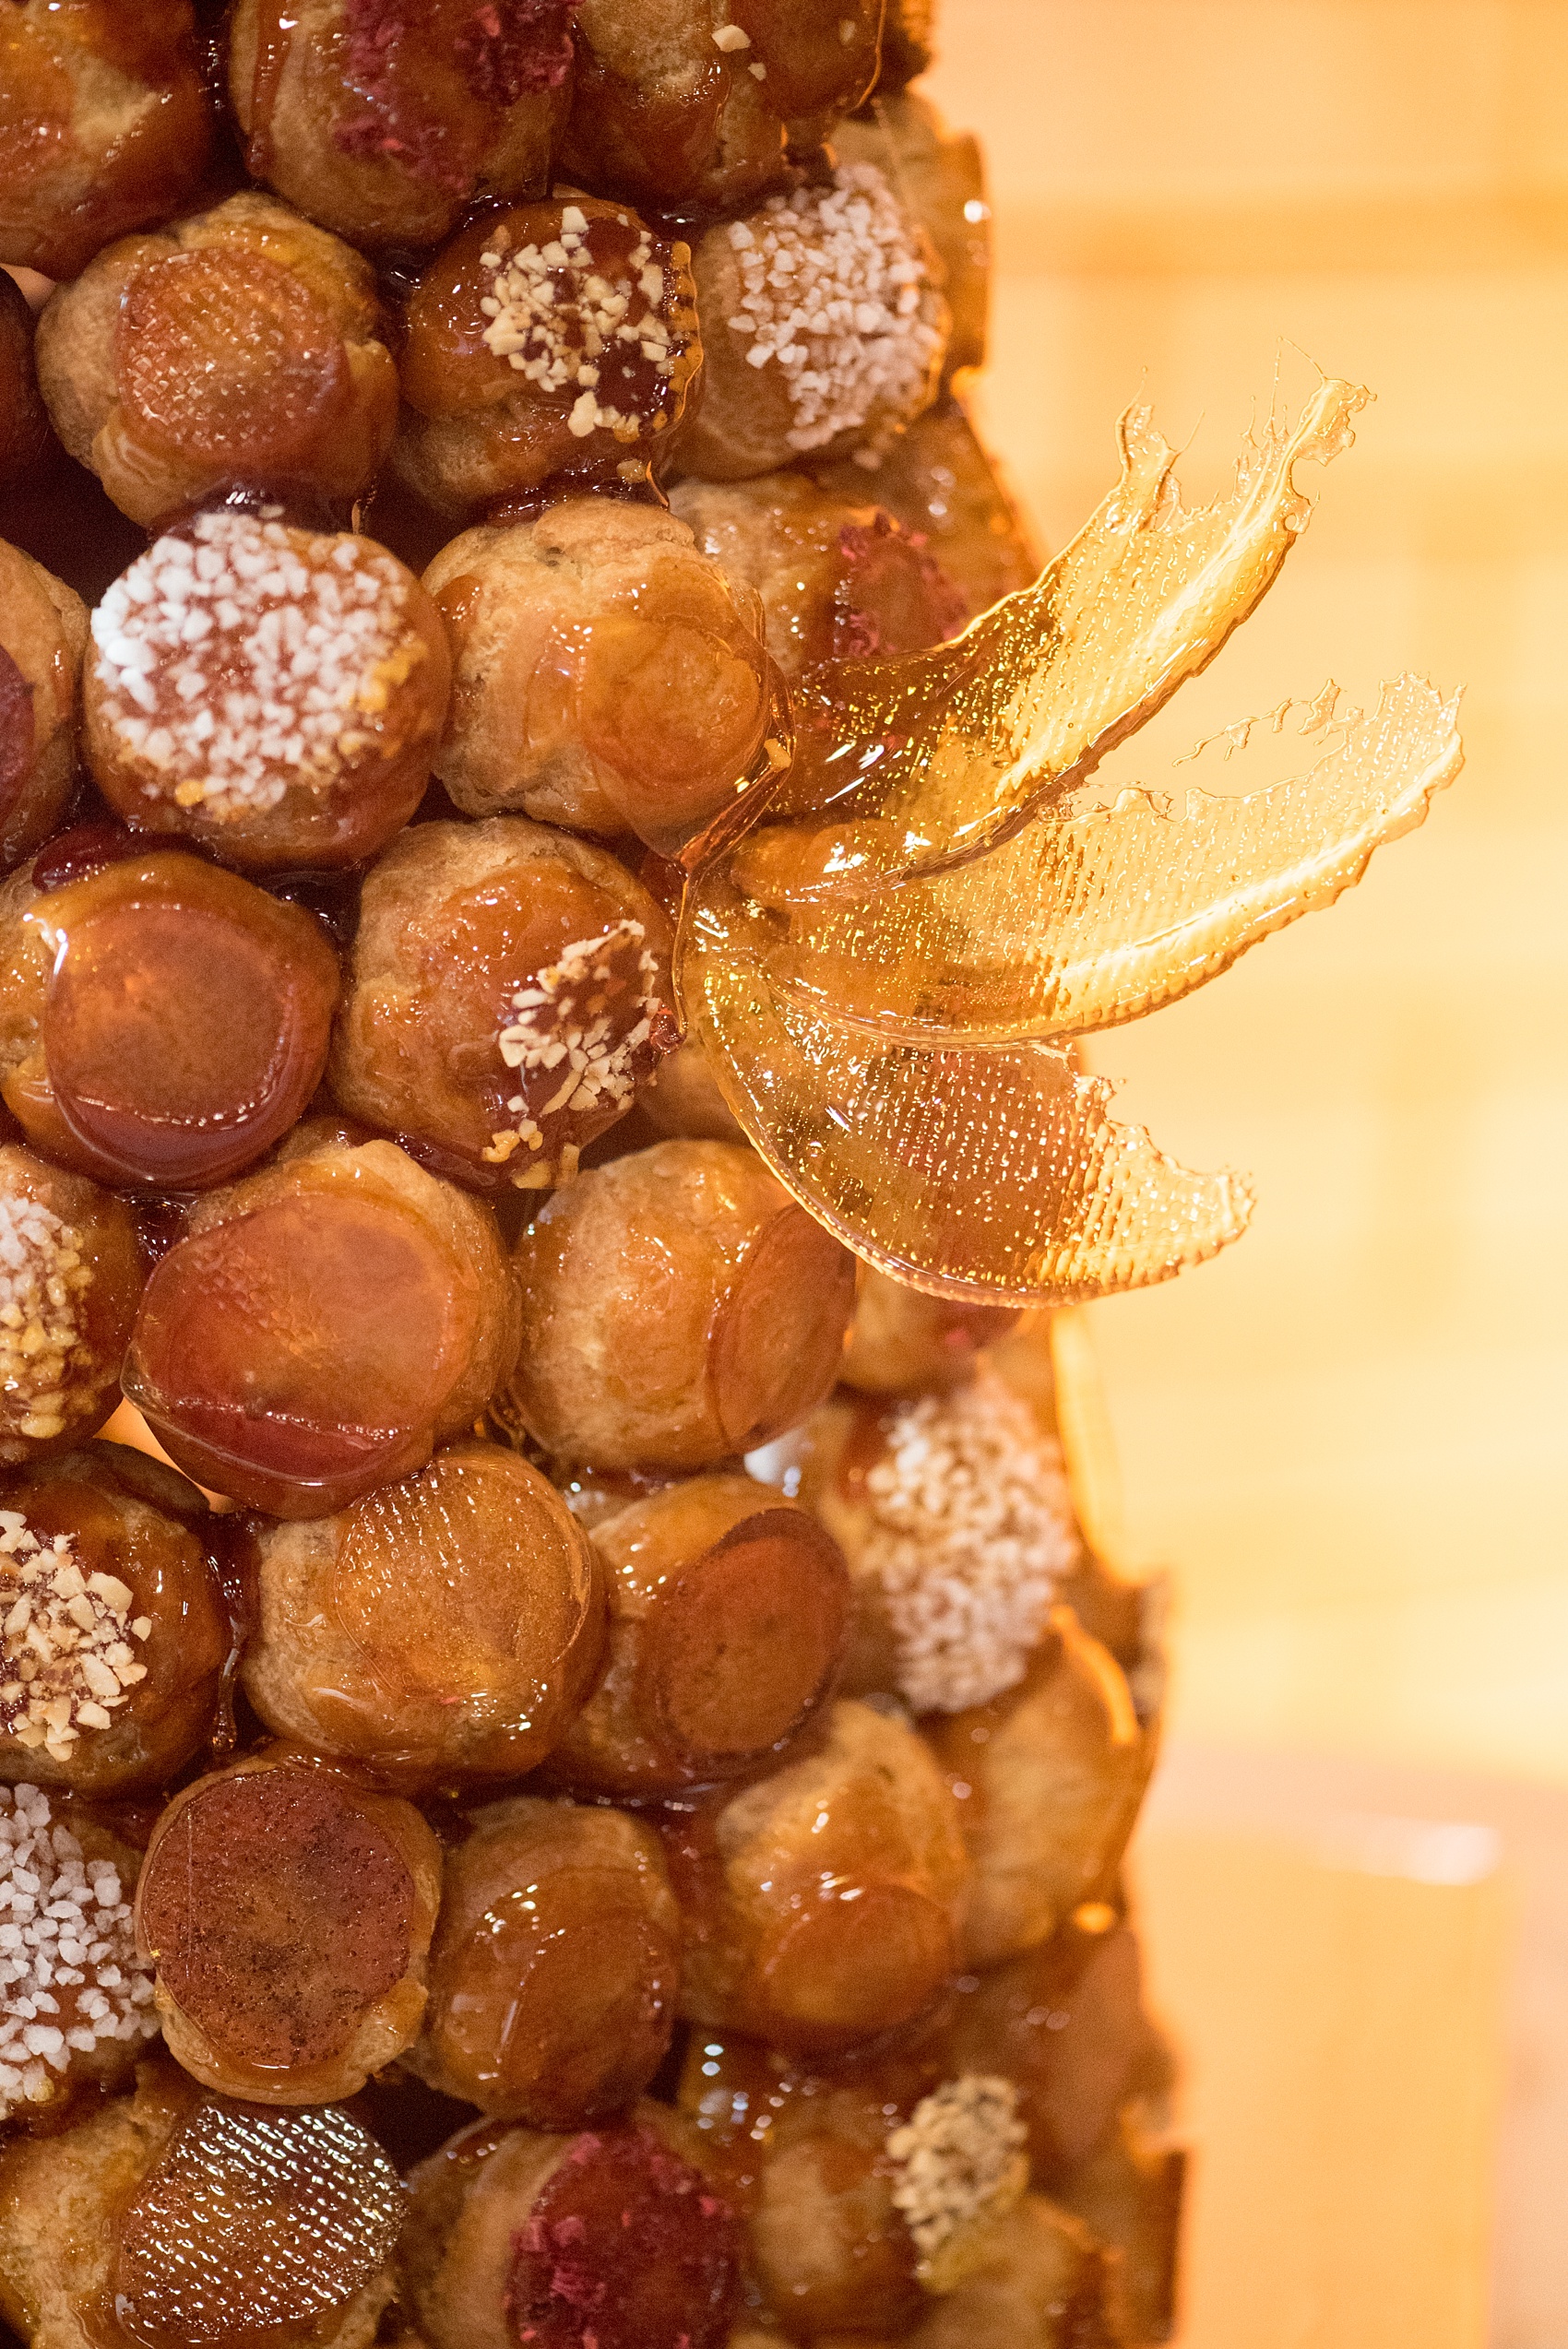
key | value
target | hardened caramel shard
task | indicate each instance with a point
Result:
(877, 968)
(995, 1176)
(1089, 916)
(927, 758)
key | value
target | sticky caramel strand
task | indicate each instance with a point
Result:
(553, 316)
(236, 663)
(43, 1282)
(972, 1530)
(589, 1015)
(958, 2158)
(69, 1979)
(65, 1638)
(837, 294)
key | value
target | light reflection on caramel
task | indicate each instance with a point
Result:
(884, 965)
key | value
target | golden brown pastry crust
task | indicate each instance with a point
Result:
(74, 1272)
(364, 1285)
(296, 731)
(24, 421)
(737, 1330)
(62, 2201)
(555, 341)
(182, 1082)
(442, 1630)
(824, 329)
(139, 1537)
(239, 346)
(687, 107)
(839, 578)
(775, 1946)
(727, 1615)
(606, 676)
(941, 176)
(43, 636)
(938, 480)
(386, 127)
(556, 1964)
(105, 125)
(288, 1908)
(492, 961)
(1053, 1773)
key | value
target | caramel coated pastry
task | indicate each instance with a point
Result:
(824, 329)
(105, 125)
(938, 480)
(71, 1275)
(1065, 2022)
(1049, 2284)
(682, 110)
(681, 1099)
(24, 421)
(116, 1629)
(273, 694)
(1129, 2193)
(164, 1022)
(954, 1514)
(386, 124)
(608, 2239)
(726, 1613)
(821, 1902)
(240, 346)
(556, 1964)
(606, 676)
(557, 339)
(804, 2154)
(197, 2219)
(908, 35)
(76, 2005)
(287, 1907)
(941, 176)
(44, 634)
(508, 997)
(1048, 1780)
(678, 1309)
(839, 578)
(321, 1326)
(903, 1342)
(441, 1628)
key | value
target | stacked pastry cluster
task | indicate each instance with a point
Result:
(579, 1802)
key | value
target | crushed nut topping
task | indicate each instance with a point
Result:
(560, 320)
(837, 292)
(958, 2159)
(43, 1282)
(65, 1655)
(588, 1022)
(240, 657)
(69, 1978)
(971, 1528)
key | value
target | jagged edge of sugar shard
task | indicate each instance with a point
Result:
(981, 1175)
(941, 753)
(1089, 919)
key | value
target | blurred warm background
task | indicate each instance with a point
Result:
(1345, 1435)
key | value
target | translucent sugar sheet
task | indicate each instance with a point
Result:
(883, 954)
(930, 757)
(994, 1175)
(1091, 915)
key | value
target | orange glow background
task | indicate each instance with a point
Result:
(1345, 1435)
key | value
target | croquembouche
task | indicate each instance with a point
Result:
(566, 1738)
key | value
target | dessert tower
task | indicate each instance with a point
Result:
(567, 1741)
